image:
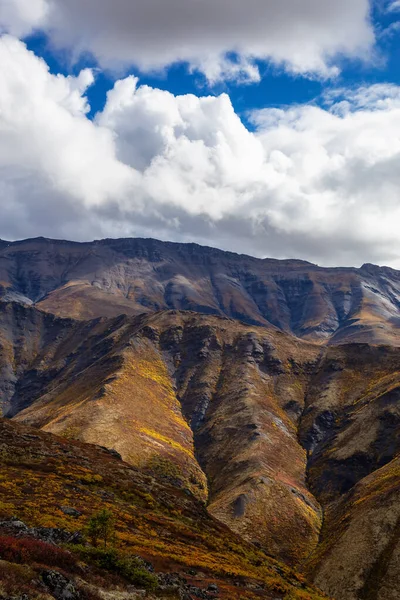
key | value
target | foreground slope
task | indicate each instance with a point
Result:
(132, 276)
(54, 486)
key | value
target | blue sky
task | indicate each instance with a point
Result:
(270, 128)
(276, 88)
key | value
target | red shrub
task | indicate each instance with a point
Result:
(29, 550)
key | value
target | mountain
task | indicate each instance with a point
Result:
(291, 444)
(259, 398)
(208, 402)
(132, 276)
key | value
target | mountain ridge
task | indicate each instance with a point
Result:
(205, 247)
(155, 241)
(132, 276)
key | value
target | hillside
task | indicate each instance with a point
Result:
(208, 402)
(291, 444)
(55, 486)
(132, 276)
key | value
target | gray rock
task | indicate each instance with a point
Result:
(71, 512)
(55, 536)
(239, 505)
(51, 535)
(18, 525)
(59, 586)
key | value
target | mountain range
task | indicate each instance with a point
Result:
(264, 392)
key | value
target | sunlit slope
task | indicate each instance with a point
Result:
(207, 403)
(277, 435)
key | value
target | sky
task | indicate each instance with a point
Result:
(262, 127)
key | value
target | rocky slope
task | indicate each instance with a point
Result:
(132, 276)
(165, 541)
(352, 432)
(205, 402)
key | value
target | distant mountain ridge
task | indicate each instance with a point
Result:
(132, 276)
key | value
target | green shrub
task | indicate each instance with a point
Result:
(133, 569)
(130, 568)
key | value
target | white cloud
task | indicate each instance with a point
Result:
(310, 182)
(305, 36)
(22, 16)
(48, 148)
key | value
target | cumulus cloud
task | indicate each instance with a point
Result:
(320, 183)
(48, 146)
(305, 36)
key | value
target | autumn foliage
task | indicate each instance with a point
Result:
(31, 551)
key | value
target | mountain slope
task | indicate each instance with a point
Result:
(132, 276)
(278, 435)
(163, 391)
(351, 429)
(54, 486)
(359, 553)
(293, 443)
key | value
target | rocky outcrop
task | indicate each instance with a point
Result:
(51, 535)
(59, 586)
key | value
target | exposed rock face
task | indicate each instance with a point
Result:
(132, 276)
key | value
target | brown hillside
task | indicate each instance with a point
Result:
(278, 435)
(193, 398)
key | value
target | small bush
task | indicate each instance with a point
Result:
(130, 568)
(91, 478)
(101, 527)
(29, 550)
(133, 570)
(105, 558)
